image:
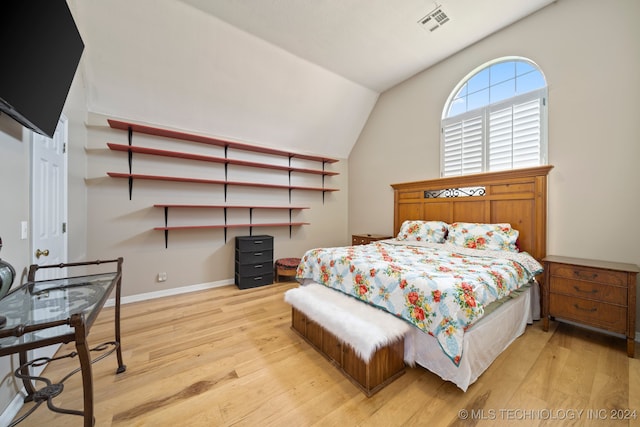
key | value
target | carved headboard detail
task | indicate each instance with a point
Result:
(518, 197)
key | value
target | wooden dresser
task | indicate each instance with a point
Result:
(365, 239)
(600, 294)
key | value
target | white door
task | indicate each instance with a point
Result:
(49, 200)
(48, 212)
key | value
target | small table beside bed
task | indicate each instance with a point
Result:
(453, 289)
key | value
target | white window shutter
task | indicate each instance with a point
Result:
(526, 134)
(463, 146)
(501, 139)
(514, 135)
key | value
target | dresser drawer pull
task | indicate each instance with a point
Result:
(590, 310)
(258, 266)
(258, 254)
(592, 291)
(257, 278)
(585, 276)
(257, 242)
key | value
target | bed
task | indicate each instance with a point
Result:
(458, 282)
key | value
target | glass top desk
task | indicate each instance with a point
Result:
(41, 313)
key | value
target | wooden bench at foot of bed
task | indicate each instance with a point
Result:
(386, 364)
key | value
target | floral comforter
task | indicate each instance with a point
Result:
(440, 288)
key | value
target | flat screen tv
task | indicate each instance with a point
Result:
(40, 48)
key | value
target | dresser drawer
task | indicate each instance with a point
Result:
(244, 282)
(589, 274)
(590, 290)
(606, 316)
(257, 257)
(254, 243)
(254, 269)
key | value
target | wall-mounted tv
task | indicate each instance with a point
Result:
(40, 48)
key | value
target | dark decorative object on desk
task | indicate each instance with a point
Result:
(7, 274)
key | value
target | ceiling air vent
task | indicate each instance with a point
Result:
(434, 19)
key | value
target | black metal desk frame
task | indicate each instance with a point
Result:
(80, 323)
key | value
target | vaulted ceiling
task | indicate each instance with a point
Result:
(301, 75)
(376, 43)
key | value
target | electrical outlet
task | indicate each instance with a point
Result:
(24, 230)
(162, 276)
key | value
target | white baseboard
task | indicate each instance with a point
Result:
(169, 292)
(12, 410)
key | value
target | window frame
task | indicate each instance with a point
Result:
(484, 114)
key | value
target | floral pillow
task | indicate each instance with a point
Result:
(493, 237)
(423, 231)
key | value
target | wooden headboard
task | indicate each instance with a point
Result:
(518, 197)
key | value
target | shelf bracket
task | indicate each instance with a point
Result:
(290, 221)
(323, 176)
(289, 180)
(225, 224)
(130, 136)
(130, 155)
(166, 225)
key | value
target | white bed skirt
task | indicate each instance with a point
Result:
(483, 342)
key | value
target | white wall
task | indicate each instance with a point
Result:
(15, 167)
(168, 64)
(592, 71)
(165, 62)
(14, 186)
(118, 226)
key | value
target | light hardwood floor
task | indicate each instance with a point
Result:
(226, 357)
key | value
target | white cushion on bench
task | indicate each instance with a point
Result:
(361, 326)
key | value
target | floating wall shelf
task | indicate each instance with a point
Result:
(213, 159)
(130, 149)
(215, 181)
(184, 136)
(225, 226)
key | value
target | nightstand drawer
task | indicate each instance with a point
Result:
(589, 290)
(365, 239)
(597, 275)
(606, 316)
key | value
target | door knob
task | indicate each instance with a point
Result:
(42, 253)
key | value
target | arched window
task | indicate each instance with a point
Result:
(495, 119)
